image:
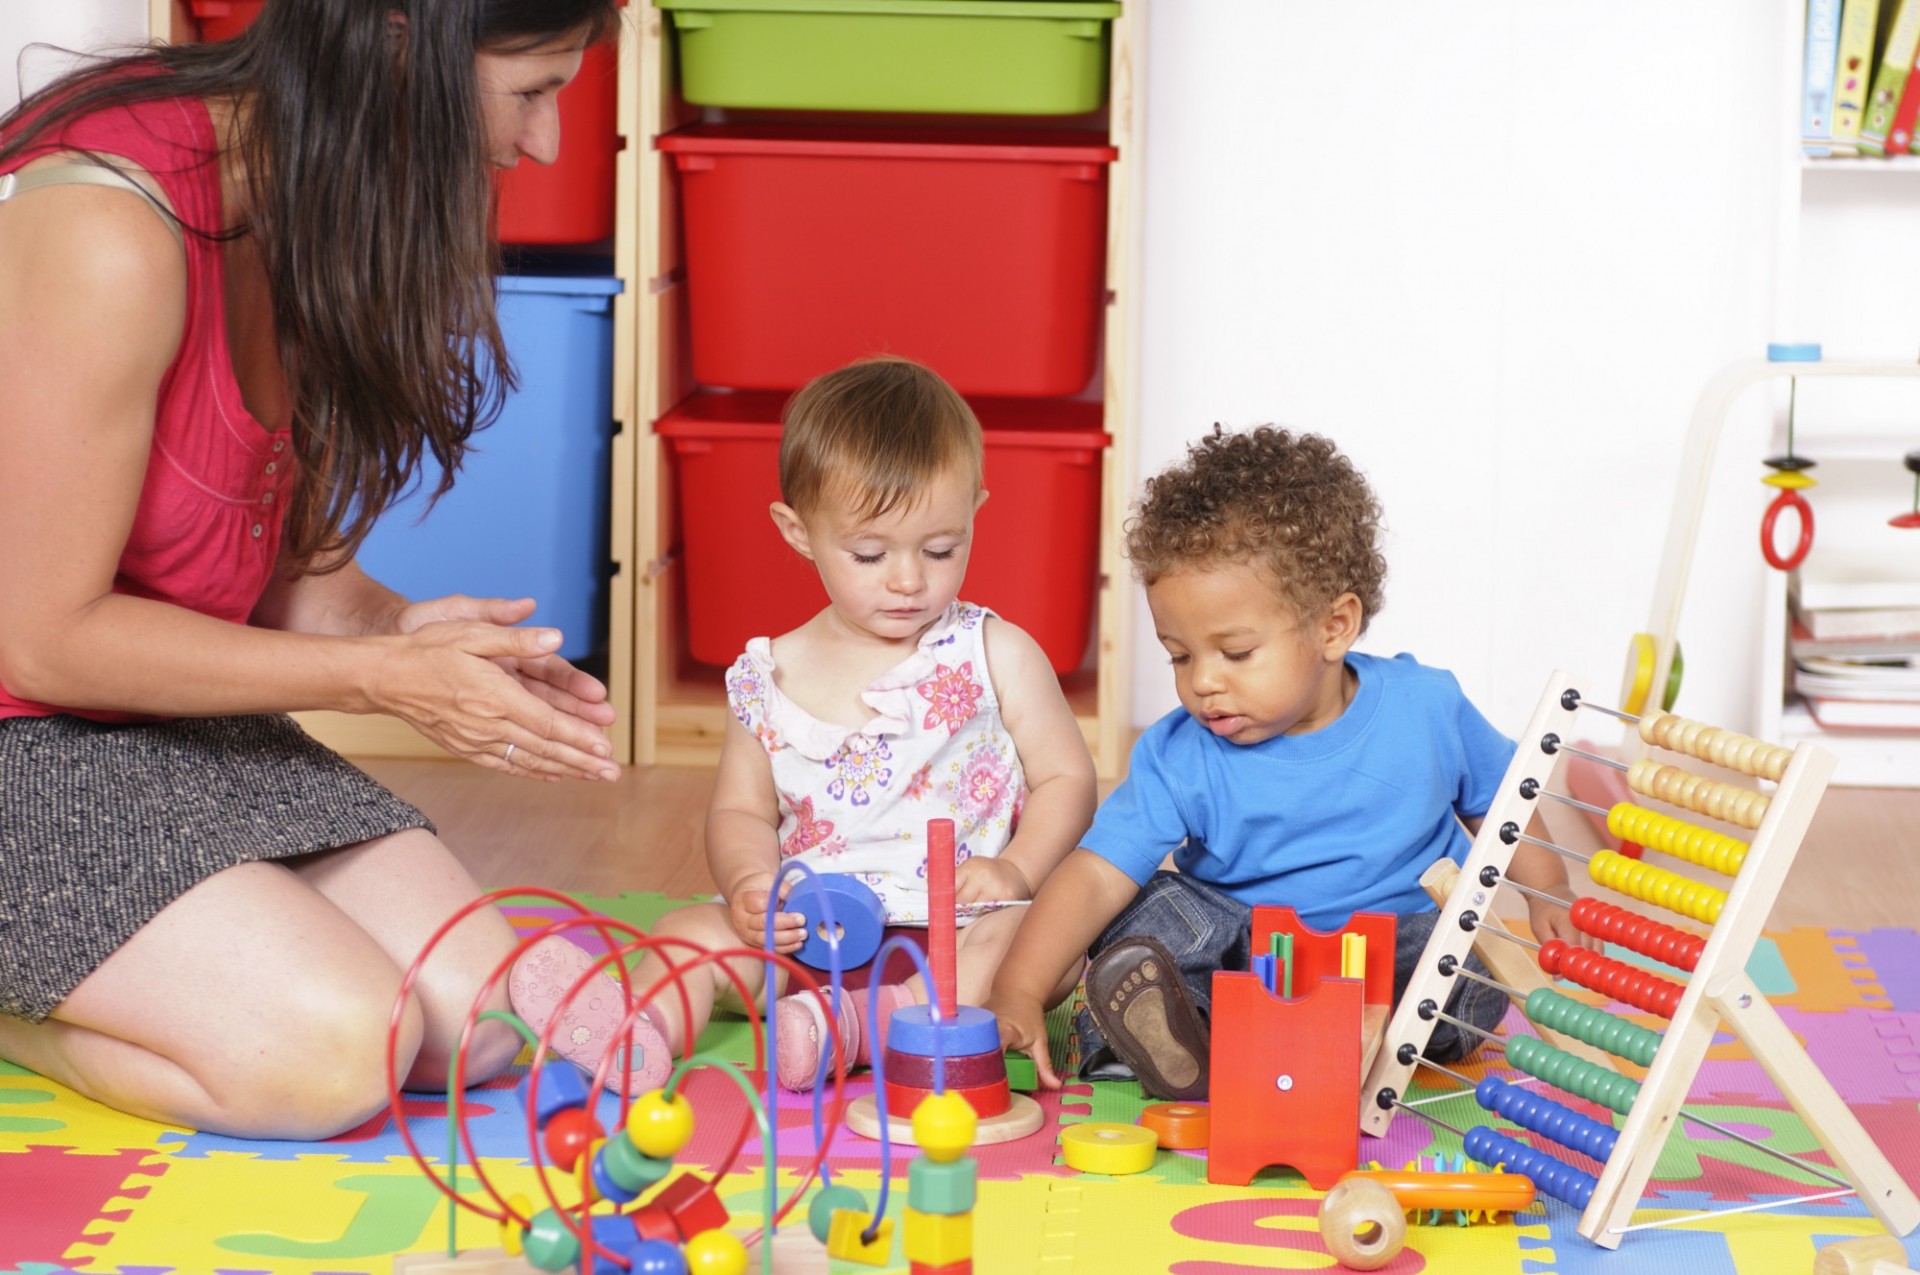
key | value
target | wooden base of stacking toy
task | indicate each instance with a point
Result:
(1021, 1118)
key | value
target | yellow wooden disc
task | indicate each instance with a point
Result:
(1112, 1149)
(1790, 479)
(1639, 675)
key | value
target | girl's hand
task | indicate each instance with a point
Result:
(463, 684)
(990, 880)
(747, 909)
(1551, 921)
(1023, 1026)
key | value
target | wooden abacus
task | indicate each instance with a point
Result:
(1717, 991)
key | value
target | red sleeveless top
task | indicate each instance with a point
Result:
(207, 530)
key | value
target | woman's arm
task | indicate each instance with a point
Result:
(743, 840)
(91, 319)
(1059, 771)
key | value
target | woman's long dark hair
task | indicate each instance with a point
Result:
(371, 196)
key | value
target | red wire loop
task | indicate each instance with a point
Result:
(1787, 499)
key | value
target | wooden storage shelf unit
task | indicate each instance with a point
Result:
(678, 715)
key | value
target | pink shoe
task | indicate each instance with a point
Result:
(800, 1031)
(585, 1032)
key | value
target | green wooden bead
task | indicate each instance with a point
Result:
(549, 1245)
(631, 1167)
(826, 1202)
(946, 1189)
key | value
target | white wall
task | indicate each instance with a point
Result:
(88, 25)
(1493, 250)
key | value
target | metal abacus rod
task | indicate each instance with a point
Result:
(1717, 993)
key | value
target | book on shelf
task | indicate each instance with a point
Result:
(1853, 72)
(1890, 77)
(1896, 678)
(1857, 623)
(1900, 133)
(1853, 579)
(1823, 47)
(1861, 714)
(1802, 644)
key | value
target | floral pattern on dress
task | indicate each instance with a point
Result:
(809, 833)
(985, 786)
(746, 695)
(857, 764)
(952, 695)
(920, 785)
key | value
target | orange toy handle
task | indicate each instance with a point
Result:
(1491, 1192)
(1787, 499)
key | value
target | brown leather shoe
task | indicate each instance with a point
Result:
(1141, 1006)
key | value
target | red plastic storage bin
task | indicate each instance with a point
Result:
(224, 19)
(978, 252)
(570, 201)
(1036, 549)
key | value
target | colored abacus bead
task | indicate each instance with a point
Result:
(1546, 1117)
(1560, 1012)
(943, 1126)
(658, 1125)
(1664, 889)
(1616, 979)
(1655, 831)
(717, 1253)
(1551, 1175)
(1722, 747)
(829, 1200)
(1637, 933)
(1711, 797)
(1577, 1076)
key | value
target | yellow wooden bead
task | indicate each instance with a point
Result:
(1113, 1149)
(1790, 480)
(716, 1253)
(660, 1126)
(938, 1239)
(943, 1126)
(512, 1231)
(844, 1239)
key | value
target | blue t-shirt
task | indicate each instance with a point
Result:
(1339, 820)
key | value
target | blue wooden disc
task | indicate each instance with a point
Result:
(1793, 352)
(973, 1030)
(858, 914)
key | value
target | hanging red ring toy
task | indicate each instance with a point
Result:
(1787, 499)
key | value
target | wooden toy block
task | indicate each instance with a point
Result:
(693, 1204)
(938, 1239)
(948, 1188)
(951, 1268)
(844, 1239)
(1281, 1067)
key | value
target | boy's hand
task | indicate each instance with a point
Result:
(1551, 921)
(747, 909)
(988, 880)
(1023, 1026)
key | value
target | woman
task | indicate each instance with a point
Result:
(248, 285)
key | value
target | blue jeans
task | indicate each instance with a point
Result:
(1205, 929)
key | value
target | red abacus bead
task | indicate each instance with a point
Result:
(568, 1134)
(1603, 974)
(1638, 933)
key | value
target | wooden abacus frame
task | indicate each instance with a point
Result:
(1718, 992)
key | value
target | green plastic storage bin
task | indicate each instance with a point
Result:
(950, 57)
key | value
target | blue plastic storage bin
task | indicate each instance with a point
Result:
(528, 513)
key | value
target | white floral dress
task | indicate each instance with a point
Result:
(857, 800)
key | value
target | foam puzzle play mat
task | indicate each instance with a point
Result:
(1704, 1097)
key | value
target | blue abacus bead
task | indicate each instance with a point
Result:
(828, 1201)
(858, 914)
(1793, 351)
(1544, 1116)
(972, 1030)
(614, 1232)
(657, 1257)
(1551, 1175)
(561, 1086)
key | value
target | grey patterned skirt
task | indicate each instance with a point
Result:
(103, 825)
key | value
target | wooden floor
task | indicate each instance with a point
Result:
(1859, 866)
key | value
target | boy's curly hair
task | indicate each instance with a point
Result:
(1288, 503)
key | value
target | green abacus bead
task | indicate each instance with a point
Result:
(828, 1201)
(946, 1189)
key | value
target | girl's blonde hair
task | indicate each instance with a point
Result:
(875, 433)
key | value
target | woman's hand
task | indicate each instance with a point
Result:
(549, 677)
(494, 694)
(747, 909)
(989, 880)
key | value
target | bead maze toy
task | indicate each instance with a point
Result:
(1716, 992)
(681, 1228)
(1282, 1082)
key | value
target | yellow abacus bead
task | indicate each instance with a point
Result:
(716, 1253)
(658, 1125)
(943, 1126)
(1657, 886)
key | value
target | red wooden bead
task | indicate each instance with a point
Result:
(693, 1204)
(568, 1134)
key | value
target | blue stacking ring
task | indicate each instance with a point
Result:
(857, 911)
(973, 1030)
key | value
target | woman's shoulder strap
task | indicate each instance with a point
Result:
(94, 171)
